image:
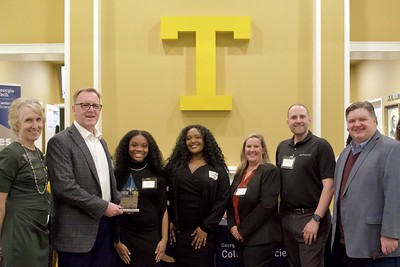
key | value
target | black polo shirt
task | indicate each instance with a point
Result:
(314, 160)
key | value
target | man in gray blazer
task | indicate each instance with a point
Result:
(83, 189)
(366, 221)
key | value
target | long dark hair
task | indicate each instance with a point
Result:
(122, 159)
(181, 156)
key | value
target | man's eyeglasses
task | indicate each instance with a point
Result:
(86, 106)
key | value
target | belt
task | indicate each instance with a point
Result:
(301, 211)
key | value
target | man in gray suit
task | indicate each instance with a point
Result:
(366, 221)
(84, 189)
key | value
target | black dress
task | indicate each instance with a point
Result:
(141, 231)
(197, 199)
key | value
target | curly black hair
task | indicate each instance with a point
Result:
(181, 156)
(122, 159)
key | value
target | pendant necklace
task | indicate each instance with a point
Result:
(33, 169)
(138, 170)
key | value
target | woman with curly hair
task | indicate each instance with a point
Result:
(143, 233)
(199, 191)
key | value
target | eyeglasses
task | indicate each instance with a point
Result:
(86, 106)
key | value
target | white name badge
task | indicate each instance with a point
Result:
(149, 183)
(213, 175)
(241, 191)
(288, 162)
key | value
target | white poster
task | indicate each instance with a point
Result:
(52, 122)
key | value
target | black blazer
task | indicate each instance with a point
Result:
(258, 208)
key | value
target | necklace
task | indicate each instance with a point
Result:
(33, 170)
(138, 170)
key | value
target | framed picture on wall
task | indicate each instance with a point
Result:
(391, 117)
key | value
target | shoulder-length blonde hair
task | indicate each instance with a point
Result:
(243, 161)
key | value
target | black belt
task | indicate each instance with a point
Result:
(300, 210)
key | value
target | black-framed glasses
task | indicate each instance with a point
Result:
(86, 106)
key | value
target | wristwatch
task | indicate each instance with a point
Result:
(316, 217)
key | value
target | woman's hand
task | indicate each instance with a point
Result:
(160, 249)
(200, 238)
(123, 252)
(172, 238)
(236, 234)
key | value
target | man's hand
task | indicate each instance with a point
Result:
(388, 244)
(310, 232)
(113, 210)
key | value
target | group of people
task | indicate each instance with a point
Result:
(123, 210)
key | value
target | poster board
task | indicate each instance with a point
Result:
(8, 92)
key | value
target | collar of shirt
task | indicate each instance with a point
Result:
(305, 140)
(358, 148)
(85, 133)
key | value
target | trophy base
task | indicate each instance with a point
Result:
(127, 210)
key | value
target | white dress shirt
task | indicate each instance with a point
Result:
(99, 157)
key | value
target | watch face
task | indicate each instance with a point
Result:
(316, 218)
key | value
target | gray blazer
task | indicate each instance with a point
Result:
(370, 206)
(77, 204)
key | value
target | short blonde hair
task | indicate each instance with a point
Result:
(14, 113)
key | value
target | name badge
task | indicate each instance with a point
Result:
(213, 175)
(241, 191)
(149, 183)
(288, 162)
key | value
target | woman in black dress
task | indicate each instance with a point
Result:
(143, 234)
(253, 208)
(199, 191)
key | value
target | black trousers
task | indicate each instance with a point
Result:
(339, 258)
(257, 256)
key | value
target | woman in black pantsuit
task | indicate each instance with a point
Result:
(253, 207)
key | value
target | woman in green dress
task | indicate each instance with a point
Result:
(24, 201)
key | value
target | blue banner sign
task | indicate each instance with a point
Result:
(8, 92)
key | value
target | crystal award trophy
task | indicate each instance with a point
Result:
(129, 201)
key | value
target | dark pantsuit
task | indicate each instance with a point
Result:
(257, 255)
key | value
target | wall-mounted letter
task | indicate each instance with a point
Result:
(205, 28)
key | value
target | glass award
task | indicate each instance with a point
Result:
(129, 200)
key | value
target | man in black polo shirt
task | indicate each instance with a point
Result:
(307, 165)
